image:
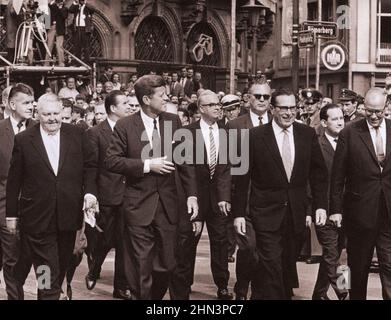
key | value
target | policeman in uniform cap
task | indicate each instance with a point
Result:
(349, 102)
(312, 100)
(230, 104)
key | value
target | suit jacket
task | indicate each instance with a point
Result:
(189, 87)
(60, 17)
(75, 9)
(271, 192)
(357, 179)
(110, 186)
(6, 145)
(177, 90)
(210, 191)
(143, 191)
(328, 155)
(35, 194)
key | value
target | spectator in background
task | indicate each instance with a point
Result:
(80, 101)
(90, 118)
(193, 98)
(100, 113)
(184, 116)
(176, 87)
(197, 82)
(69, 92)
(4, 100)
(326, 101)
(78, 115)
(107, 75)
(194, 114)
(133, 104)
(108, 87)
(58, 17)
(98, 92)
(183, 104)
(66, 111)
(174, 100)
(116, 81)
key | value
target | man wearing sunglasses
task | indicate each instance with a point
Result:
(283, 157)
(360, 194)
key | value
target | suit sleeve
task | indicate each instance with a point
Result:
(117, 158)
(93, 138)
(89, 168)
(15, 179)
(318, 176)
(224, 179)
(338, 174)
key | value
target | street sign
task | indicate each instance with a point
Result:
(333, 57)
(306, 39)
(326, 30)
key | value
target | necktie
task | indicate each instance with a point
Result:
(379, 147)
(335, 140)
(260, 120)
(286, 155)
(156, 144)
(212, 146)
(20, 125)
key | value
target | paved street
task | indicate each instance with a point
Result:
(203, 288)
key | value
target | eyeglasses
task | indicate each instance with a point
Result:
(287, 109)
(264, 96)
(211, 105)
(369, 112)
(134, 105)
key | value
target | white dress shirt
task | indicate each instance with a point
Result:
(15, 123)
(331, 140)
(383, 133)
(205, 133)
(148, 124)
(279, 134)
(52, 146)
(255, 118)
(111, 123)
(81, 17)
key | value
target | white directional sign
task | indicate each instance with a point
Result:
(333, 57)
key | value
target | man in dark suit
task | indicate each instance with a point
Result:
(176, 87)
(150, 199)
(110, 188)
(360, 194)
(187, 83)
(49, 173)
(283, 157)
(246, 257)
(21, 104)
(82, 24)
(330, 237)
(214, 195)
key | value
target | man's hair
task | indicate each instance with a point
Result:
(260, 83)
(107, 68)
(281, 92)
(80, 97)
(69, 78)
(192, 109)
(324, 111)
(48, 98)
(146, 85)
(78, 110)
(5, 96)
(66, 103)
(203, 94)
(111, 99)
(20, 88)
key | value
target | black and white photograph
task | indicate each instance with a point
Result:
(216, 151)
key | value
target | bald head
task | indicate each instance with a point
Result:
(375, 101)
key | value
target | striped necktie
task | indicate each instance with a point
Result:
(212, 146)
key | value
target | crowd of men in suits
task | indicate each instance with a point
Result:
(139, 180)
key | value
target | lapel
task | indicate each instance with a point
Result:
(300, 144)
(366, 138)
(199, 137)
(140, 129)
(271, 142)
(388, 140)
(106, 131)
(326, 146)
(10, 135)
(37, 142)
(161, 129)
(249, 123)
(64, 146)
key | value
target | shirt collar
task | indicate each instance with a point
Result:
(204, 125)
(111, 123)
(330, 138)
(147, 119)
(14, 122)
(279, 130)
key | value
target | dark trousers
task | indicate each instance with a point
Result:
(111, 222)
(10, 247)
(182, 278)
(332, 240)
(150, 256)
(231, 237)
(50, 254)
(277, 252)
(82, 49)
(360, 247)
(183, 275)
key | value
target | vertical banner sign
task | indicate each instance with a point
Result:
(287, 22)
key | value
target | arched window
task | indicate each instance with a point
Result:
(153, 41)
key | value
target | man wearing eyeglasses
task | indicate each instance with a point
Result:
(283, 157)
(360, 194)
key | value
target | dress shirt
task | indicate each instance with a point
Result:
(383, 133)
(15, 123)
(111, 123)
(205, 133)
(331, 140)
(255, 118)
(81, 17)
(148, 125)
(52, 146)
(279, 134)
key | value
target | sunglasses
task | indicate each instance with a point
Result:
(264, 96)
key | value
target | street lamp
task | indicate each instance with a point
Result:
(256, 11)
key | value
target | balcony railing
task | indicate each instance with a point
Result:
(384, 54)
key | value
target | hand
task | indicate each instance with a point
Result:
(12, 225)
(336, 219)
(192, 207)
(161, 166)
(225, 207)
(197, 228)
(240, 226)
(320, 217)
(308, 221)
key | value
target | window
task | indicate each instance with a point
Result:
(383, 32)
